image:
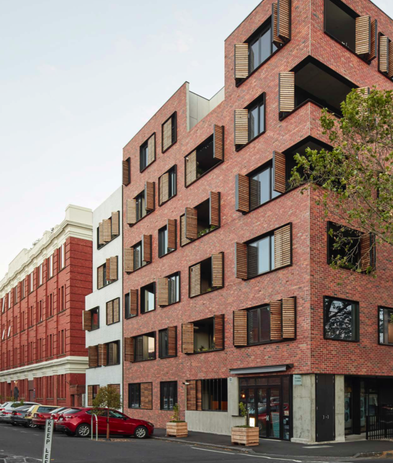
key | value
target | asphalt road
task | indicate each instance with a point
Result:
(20, 445)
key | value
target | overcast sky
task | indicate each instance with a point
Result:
(78, 79)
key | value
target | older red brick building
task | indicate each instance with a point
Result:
(228, 293)
(42, 346)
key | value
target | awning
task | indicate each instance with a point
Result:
(255, 370)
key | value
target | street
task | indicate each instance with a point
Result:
(27, 444)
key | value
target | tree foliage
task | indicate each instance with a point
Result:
(356, 174)
(107, 397)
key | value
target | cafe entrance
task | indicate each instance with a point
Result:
(267, 400)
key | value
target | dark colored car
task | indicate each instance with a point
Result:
(78, 423)
(17, 415)
(42, 414)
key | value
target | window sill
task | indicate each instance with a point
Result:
(131, 316)
(168, 357)
(143, 170)
(109, 242)
(164, 202)
(266, 343)
(140, 220)
(202, 175)
(341, 340)
(169, 147)
(240, 147)
(139, 268)
(167, 254)
(206, 292)
(269, 271)
(199, 237)
(385, 344)
(141, 361)
(205, 352)
(149, 311)
(110, 324)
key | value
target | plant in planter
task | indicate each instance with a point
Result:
(176, 427)
(245, 434)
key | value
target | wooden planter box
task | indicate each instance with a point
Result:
(245, 436)
(177, 429)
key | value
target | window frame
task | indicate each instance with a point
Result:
(143, 146)
(173, 116)
(138, 386)
(160, 350)
(178, 274)
(217, 288)
(355, 323)
(259, 342)
(106, 282)
(142, 312)
(381, 310)
(174, 168)
(135, 338)
(174, 398)
(108, 364)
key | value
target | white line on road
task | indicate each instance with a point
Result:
(214, 451)
(248, 455)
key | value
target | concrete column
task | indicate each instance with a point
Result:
(340, 408)
(303, 412)
(233, 396)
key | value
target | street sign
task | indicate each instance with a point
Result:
(297, 380)
(48, 441)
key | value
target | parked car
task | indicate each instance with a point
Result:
(5, 414)
(18, 416)
(78, 423)
(42, 414)
(54, 415)
(58, 427)
(29, 416)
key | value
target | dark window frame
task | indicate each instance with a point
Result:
(92, 312)
(162, 398)
(106, 282)
(135, 338)
(113, 237)
(117, 362)
(355, 323)
(259, 342)
(131, 395)
(381, 310)
(142, 312)
(174, 168)
(213, 288)
(173, 116)
(258, 101)
(142, 147)
(170, 276)
(161, 354)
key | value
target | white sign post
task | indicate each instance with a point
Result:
(48, 441)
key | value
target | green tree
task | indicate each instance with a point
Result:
(107, 397)
(356, 174)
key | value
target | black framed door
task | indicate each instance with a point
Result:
(264, 407)
(325, 407)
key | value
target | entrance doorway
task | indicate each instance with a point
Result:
(268, 404)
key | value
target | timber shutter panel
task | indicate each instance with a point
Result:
(129, 260)
(218, 142)
(100, 277)
(365, 251)
(390, 68)
(241, 260)
(151, 149)
(89, 396)
(241, 60)
(242, 191)
(286, 92)
(108, 269)
(162, 291)
(183, 239)
(146, 396)
(191, 168)
(113, 268)
(199, 395)
(275, 320)
(214, 209)
(131, 211)
(149, 196)
(172, 348)
(101, 233)
(116, 310)
(289, 318)
(363, 35)
(109, 313)
(279, 172)
(167, 134)
(241, 127)
(93, 356)
(164, 188)
(284, 19)
(240, 328)
(374, 41)
(384, 48)
(171, 227)
(134, 302)
(195, 280)
(188, 338)
(102, 355)
(191, 395)
(126, 172)
(86, 320)
(191, 223)
(217, 270)
(282, 247)
(277, 40)
(115, 223)
(107, 230)
(146, 248)
(219, 331)
(129, 349)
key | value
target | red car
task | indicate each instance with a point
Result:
(42, 414)
(78, 423)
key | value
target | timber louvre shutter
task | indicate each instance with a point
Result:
(191, 395)
(162, 292)
(172, 348)
(277, 40)
(183, 239)
(101, 233)
(191, 168)
(126, 172)
(191, 223)
(134, 302)
(286, 92)
(217, 270)
(112, 273)
(219, 332)
(146, 396)
(129, 260)
(240, 328)
(363, 35)
(284, 19)
(102, 355)
(289, 318)
(131, 211)
(171, 227)
(275, 321)
(149, 196)
(241, 260)
(242, 191)
(129, 350)
(151, 149)
(109, 313)
(241, 127)
(188, 338)
(218, 142)
(116, 310)
(384, 49)
(146, 248)
(86, 320)
(195, 280)
(241, 60)
(93, 356)
(365, 251)
(100, 277)
(214, 209)
(107, 228)
(279, 172)
(164, 188)
(115, 223)
(282, 247)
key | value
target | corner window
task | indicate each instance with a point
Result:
(134, 395)
(148, 298)
(145, 347)
(341, 319)
(386, 326)
(168, 395)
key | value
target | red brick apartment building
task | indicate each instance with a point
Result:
(42, 345)
(228, 295)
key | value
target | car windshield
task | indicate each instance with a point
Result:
(44, 409)
(57, 410)
(71, 410)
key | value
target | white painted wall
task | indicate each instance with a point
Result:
(198, 106)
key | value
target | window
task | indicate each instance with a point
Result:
(250, 122)
(144, 153)
(95, 318)
(31, 278)
(167, 342)
(113, 311)
(261, 46)
(386, 326)
(167, 185)
(40, 274)
(15, 294)
(340, 23)
(113, 353)
(258, 320)
(62, 257)
(207, 276)
(147, 153)
(256, 119)
(127, 171)
(168, 395)
(108, 230)
(341, 319)
(214, 394)
(145, 347)
(148, 298)
(204, 335)
(261, 256)
(205, 157)
(174, 288)
(169, 132)
(140, 206)
(3, 305)
(134, 395)
(166, 245)
(107, 274)
(50, 267)
(22, 289)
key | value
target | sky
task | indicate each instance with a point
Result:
(78, 79)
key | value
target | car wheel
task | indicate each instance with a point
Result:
(83, 430)
(32, 425)
(14, 424)
(140, 432)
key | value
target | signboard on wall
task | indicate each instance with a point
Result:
(297, 380)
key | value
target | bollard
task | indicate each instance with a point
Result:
(48, 441)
